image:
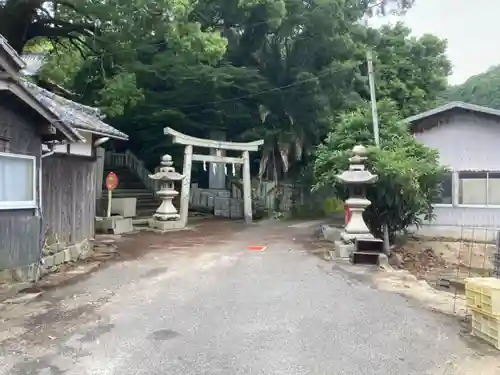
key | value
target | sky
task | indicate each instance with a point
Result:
(471, 28)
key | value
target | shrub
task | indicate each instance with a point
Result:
(409, 172)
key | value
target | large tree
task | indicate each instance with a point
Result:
(288, 68)
(24, 20)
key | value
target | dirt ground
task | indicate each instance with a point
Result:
(433, 260)
(132, 246)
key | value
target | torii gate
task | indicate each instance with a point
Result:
(189, 157)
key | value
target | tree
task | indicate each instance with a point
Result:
(409, 173)
(482, 89)
(410, 71)
(278, 70)
(21, 21)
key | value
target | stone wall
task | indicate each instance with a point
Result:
(218, 200)
(53, 256)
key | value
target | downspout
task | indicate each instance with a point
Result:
(40, 214)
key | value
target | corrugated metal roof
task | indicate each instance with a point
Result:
(453, 105)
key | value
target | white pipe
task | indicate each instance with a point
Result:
(45, 155)
(101, 141)
(40, 197)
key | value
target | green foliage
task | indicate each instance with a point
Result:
(333, 205)
(221, 65)
(62, 64)
(482, 89)
(410, 71)
(409, 173)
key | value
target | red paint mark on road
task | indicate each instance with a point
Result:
(257, 248)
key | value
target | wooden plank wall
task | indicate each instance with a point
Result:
(69, 197)
(19, 238)
(19, 229)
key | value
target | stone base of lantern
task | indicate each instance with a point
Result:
(166, 226)
(343, 250)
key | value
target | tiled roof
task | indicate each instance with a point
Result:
(77, 115)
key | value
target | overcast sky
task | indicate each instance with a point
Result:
(472, 29)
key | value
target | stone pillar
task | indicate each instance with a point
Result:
(186, 183)
(247, 188)
(217, 180)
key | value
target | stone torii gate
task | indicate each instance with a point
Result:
(218, 146)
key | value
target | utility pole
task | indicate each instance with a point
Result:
(373, 99)
(376, 135)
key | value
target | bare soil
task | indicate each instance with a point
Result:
(433, 260)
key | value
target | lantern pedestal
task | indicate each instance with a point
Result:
(356, 227)
(165, 226)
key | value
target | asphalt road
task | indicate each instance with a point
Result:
(221, 309)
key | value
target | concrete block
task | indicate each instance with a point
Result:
(343, 250)
(224, 193)
(222, 213)
(85, 249)
(222, 204)
(75, 251)
(115, 224)
(330, 233)
(126, 207)
(67, 255)
(48, 261)
(59, 258)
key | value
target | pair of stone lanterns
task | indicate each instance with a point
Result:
(356, 241)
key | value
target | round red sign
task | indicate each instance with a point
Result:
(111, 181)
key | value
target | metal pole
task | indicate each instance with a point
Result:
(373, 99)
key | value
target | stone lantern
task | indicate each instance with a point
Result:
(166, 216)
(357, 178)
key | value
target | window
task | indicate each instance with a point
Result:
(479, 188)
(446, 194)
(17, 181)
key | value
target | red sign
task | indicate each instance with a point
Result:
(111, 181)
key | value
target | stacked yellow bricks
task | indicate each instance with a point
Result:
(483, 300)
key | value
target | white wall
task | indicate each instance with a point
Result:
(466, 142)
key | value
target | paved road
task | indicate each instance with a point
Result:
(221, 309)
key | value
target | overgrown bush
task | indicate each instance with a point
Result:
(409, 172)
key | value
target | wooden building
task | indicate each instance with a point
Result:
(48, 172)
